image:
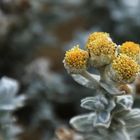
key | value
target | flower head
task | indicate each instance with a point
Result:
(97, 35)
(131, 49)
(101, 49)
(76, 59)
(124, 69)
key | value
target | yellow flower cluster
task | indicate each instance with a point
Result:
(101, 49)
(76, 59)
(125, 68)
(131, 49)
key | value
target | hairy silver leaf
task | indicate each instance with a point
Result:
(83, 123)
(85, 81)
(102, 119)
(132, 119)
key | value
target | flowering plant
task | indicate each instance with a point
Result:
(111, 116)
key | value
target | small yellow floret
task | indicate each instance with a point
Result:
(76, 59)
(97, 35)
(102, 46)
(125, 67)
(131, 49)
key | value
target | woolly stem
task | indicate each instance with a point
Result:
(90, 77)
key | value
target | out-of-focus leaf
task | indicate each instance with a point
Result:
(8, 88)
(132, 118)
(94, 103)
(83, 123)
(9, 102)
(119, 134)
(102, 119)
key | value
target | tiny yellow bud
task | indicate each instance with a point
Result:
(76, 59)
(131, 49)
(101, 49)
(97, 35)
(124, 69)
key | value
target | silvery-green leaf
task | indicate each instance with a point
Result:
(120, 122)
(96, 77)
(119, 134)
(126, 101)
(82, 80)
(12, 103)
(120, 110)
(7, 107)
(19, 101)
(89, 98)
(98, 97)
(111, 89)
(8, 102)
(135, 133)
(111, 105)
(5, 118)
(92, 103)
(11, 132)
(132, 118)
(102, 119)
(8, 88)
(83, 123)
(93, 137)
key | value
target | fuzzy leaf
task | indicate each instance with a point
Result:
(125, 101)
(111, 89)
(119, 134)
(86, 82)
(102, 119)
(111, 105)
(12, 104)
(92, 103)
(8, 88)
(95, 98)
(132, 119)
(7, 107)
(93, 137)
(83, 123)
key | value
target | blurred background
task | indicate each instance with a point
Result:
(34, 35)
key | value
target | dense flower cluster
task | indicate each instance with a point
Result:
(102, 51)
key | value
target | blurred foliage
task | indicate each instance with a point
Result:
(34, 33)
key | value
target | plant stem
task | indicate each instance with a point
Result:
(88, 76)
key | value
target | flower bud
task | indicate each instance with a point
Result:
(131, 49)
(124, 69)
(97, 35)
(76, 60)
(101, 49)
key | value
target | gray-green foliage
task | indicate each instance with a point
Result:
(111, 117)
(8, 103)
